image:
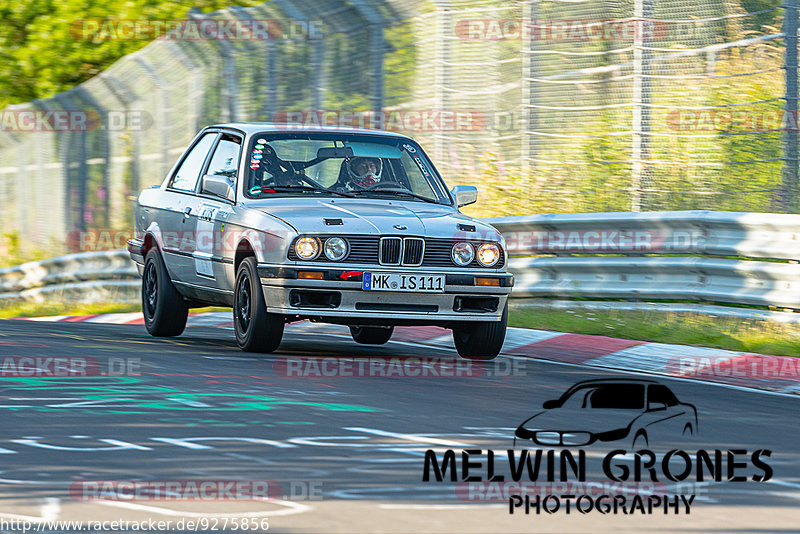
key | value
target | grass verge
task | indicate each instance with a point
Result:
(31, 309)
(746, 335)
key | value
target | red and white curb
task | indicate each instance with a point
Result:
(742, 369)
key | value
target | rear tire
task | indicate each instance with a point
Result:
(371, 335)
(640, 440)
(256, 330)
(164, 309)
(481, 340)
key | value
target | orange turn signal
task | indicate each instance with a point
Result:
(487, 282)
(310, 275)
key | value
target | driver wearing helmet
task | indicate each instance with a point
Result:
(363, 172)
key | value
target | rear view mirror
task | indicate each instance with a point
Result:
(465, 194)
(335, 152)
(217, 185)
(549, 405)
(374, 150)
(656, 406)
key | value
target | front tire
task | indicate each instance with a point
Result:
(256, 330)
(481, 340)
(371, 335)
(640, 440)
(164, 309)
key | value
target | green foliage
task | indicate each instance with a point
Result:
(42, 46)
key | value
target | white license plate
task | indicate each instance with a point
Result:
(407, 283)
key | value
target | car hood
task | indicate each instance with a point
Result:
(375, 217)
(581, 420)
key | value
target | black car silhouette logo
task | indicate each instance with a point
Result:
(610, 410)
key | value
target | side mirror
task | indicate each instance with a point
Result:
(549, 405)
(465, 194)
(656, 406)
(218, 185)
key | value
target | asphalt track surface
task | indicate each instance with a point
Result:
(346, 452)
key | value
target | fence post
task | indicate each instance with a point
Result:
(642, 9)
(230, 88)
(377, 48)
(530, 97)
(163, 109)
(442, 62)
(103, 134)
(789, 184)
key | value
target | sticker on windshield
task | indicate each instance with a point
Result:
(410, 148)
(261, 141)
(422, 167)
(257, 151)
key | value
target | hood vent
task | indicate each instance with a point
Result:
(466, 227)
(333, 222)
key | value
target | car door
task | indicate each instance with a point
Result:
(212, 255)
(668, 417)
(181, 201)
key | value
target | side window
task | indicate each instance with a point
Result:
(419, 184)
(188, 173)
(660, 393)
(226, 158)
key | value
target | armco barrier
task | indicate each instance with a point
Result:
(675, 278)
(107, 276)
(701, 256)
(710, 233)
(707, 256)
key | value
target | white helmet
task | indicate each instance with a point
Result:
(367, 176)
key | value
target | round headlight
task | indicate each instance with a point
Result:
(335, 248)
(462, 254)
(307, 248)
(488, 254)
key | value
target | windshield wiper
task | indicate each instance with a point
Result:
(405, 192)
(291, 188)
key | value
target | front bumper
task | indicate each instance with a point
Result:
(135, 250)
(339, 297)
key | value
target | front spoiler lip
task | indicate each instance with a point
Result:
(394, 305)
(346, 278)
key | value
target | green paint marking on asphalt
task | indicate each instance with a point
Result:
(194, 421)
(295, 423)
(130, 392)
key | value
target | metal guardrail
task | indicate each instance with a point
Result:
(707, 256)
(709, 233)
(106, 276)
(701, 256)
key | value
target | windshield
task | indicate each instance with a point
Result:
(343, 165)
(607, 396)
